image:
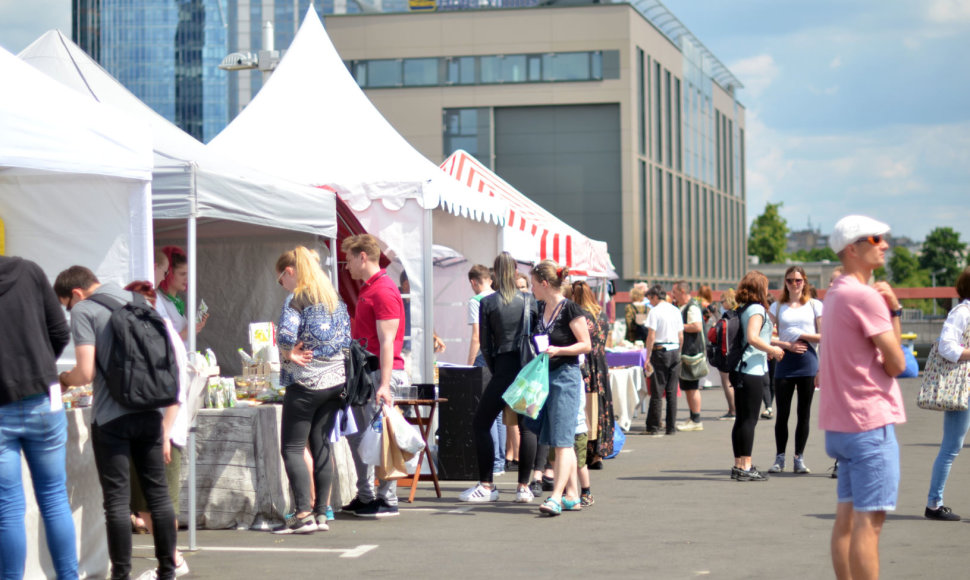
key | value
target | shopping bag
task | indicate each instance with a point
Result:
(392, 460)
(529, 390)
(406, 435)
(370, 444)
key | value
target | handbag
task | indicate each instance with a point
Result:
(945, 385)
(527, 350)
(693, 367)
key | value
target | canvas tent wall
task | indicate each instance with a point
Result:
(550, 238)
(245, 218)
(311, 122)
(74, 189)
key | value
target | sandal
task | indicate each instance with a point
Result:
(550, 507)
(572, 505)
(138, 525)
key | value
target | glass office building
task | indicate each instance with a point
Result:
(166, 52)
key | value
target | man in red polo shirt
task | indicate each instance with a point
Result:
(379, 324)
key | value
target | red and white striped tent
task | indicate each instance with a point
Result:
(555, 239)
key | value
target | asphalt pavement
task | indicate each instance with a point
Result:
(665, 508)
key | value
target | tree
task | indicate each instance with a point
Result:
(906, 271)
(769, 235)
(815, 255)
(943, 254)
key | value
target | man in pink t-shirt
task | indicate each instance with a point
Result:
(860, 401)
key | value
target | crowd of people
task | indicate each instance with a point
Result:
(850, 355)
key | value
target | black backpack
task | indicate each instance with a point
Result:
(726, 341)
(142, 372)
(358, 366)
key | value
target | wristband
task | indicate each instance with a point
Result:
(896, 313)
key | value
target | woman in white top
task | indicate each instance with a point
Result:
(798, 318)
(954, 348)
(171, 288)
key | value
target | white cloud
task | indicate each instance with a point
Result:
(911, 43)
(948, 11)
(827, 91)
(756, 72)
(836, 62)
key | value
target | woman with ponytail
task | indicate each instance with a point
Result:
(314, 329)
(173, 287)
(503, 316)
(561, 333)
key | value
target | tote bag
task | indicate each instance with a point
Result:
(527, 393)
(945, 385)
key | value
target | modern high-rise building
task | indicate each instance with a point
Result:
(613, 116)
(166, 52)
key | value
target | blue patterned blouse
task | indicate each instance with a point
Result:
(322, 332)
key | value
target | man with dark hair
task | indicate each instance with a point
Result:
(692, 315)
(33, 333)
(119, 436)
(665, 336)
(860, 401)
(379, 324)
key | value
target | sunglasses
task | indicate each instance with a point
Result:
(794, 280)
(874, 240)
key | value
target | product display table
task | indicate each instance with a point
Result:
(629, 388)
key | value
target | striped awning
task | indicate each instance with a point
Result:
(556, 240)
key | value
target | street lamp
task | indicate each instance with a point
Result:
(933, 278)
(265, 60)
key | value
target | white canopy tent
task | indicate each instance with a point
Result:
(247, 218)
(225, 198)
(74, 189)
(311, 122)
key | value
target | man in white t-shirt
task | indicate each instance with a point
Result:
(480, 280)
(665, 336)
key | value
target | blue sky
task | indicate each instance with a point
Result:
(853, 106)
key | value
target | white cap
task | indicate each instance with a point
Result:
(852, 228)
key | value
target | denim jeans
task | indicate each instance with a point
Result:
(134, 438)
(955, 424)
(30, 426)
(308, 416)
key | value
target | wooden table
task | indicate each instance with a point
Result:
(424, 427)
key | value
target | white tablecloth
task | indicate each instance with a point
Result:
(628, 387)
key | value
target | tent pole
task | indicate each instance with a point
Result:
(427, 299)
(334, 268)
(190, 316)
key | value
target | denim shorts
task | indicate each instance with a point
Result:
(868, 467)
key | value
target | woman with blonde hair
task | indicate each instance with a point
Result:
(798, 318)
(751, 374)
(635, 314)
(314, 330)
(562, 333)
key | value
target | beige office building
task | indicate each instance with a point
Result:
(612, 116)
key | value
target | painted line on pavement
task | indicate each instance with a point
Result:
(344, 552)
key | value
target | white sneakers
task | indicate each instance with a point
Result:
(479, 494)
(690, 426)
(524, 495)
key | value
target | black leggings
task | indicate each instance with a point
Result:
(785, 391)
(747, 403)
(308, 417)
(504, 370)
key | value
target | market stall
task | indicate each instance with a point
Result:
(324, 131)
(74, 189)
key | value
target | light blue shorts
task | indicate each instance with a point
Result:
(868, 467)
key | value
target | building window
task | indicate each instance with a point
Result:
(469, 129)
(730, 152)
(513, 68)
(658, 113)
(671, 220)
(742, 194)
(668, 120)
(489, 70)
(660, 228)
(678, 162)
(717, 150)
(420, 72)
(681, 229)
(384, 73)
(644, 218)
(642, 102)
